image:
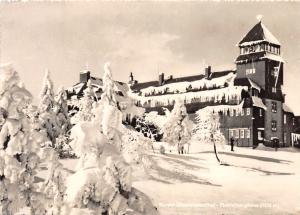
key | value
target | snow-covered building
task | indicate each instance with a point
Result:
(249, 98)
(124, 102)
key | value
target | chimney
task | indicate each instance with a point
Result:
(170, 77)
(161, 78)
(84, 76)
(207, 72)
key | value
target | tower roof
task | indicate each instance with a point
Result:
(257, 34)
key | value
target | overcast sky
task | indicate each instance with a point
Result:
(140, 37)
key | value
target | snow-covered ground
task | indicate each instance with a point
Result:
(254, 182)
(260, 181)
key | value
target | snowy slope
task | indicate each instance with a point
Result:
(255, 182)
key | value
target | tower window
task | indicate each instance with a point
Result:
(274, 107)
(274, 125)
(284, 118)
(260, 112)
(274, 90)
(250, 71)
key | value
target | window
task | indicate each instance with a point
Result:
(293, 121)
(284, 118)
(248, 111)
(284, 137)
(242, 133)
(260, 112)
(237, 133)
(274, 107)
(259, 135)
(274, 90)
(231, 133)
(275, 71)
(248, 133)
(236, 112)
(274, 125)
(242, 112)
(250, 71)
(231, 112)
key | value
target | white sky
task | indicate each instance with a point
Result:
(142, 37)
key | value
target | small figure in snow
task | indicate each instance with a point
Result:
(232, 143)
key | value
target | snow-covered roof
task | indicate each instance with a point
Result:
(286, 108)
(181, 87)
(220, 108)
(259, 33)
(273, 57)
(256, 56)
(216, 95)
(257, 102)
(254, 85)
(78, 87)
(84, 71)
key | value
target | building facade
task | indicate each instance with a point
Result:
(249, 98)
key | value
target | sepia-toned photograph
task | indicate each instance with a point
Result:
(149, 107)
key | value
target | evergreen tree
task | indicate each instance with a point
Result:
(86, 104)
(177, 129)
(107, 113)
(46, 110)
(19, 148)
(61, 111)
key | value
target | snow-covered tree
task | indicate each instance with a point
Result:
(19, 148)
(177, 129)
(102, 183)
(61, 111)
(85, 105)
(54, 186)
(107, 112)
(208, 129)
(47, 115)
(64, 125)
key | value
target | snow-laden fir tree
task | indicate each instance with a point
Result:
(208, 129)
(85, 105)
(47, 115)
(102, 183)
(54, 186)
(61, 111)
(19, 148)
(108, 117)
(63, 121)
(177, 129)
(108, 113)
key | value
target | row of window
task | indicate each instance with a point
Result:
(239, 133)
(259, 48)
(237, 113)
(250, 71)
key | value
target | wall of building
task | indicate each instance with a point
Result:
(271, 116)
(238, 123)
(288, 128)
(259, 75)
